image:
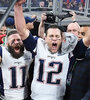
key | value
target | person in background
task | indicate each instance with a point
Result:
(34, 3)
(30, 21)
(2, 41)
(50, 3)
(80, 82)
(9, 23)
(42, 3)
(76, 66)
(74, 27)
(3, 32)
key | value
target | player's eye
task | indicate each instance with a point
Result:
(83, 33)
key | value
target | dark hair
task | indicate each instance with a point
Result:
(53, 27)
(12, 31)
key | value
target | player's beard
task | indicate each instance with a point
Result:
(14, 54)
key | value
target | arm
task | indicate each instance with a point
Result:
(80, 50)
(20, 22)
(73, 16)
(82, 46)
(41, 29)
(29, 41)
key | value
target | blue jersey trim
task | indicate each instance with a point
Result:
(30, 43)
(1, 79)
(0, 51)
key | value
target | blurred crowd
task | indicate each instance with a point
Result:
(34, 3)
(74, 5)
(69, 4)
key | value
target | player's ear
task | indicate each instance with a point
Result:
(45, 38)
(63, 37)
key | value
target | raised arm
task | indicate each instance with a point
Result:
(83, 44)
(28, 39)
(20, 21)
(41, 29)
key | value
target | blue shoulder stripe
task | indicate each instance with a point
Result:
(0, 51)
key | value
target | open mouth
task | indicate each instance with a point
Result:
(54, 46)
(17, 49)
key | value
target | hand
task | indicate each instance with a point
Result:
(34, 16)
(20, 2)
(74, 15)
(43, 17)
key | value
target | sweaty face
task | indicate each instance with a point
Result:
(15, 45)
(53, 39)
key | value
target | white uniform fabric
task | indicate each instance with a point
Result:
(50, 73)
(13, 71)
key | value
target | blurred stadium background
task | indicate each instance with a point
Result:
(57, 7)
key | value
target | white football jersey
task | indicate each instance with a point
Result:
(13, 71)
(50, 71)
